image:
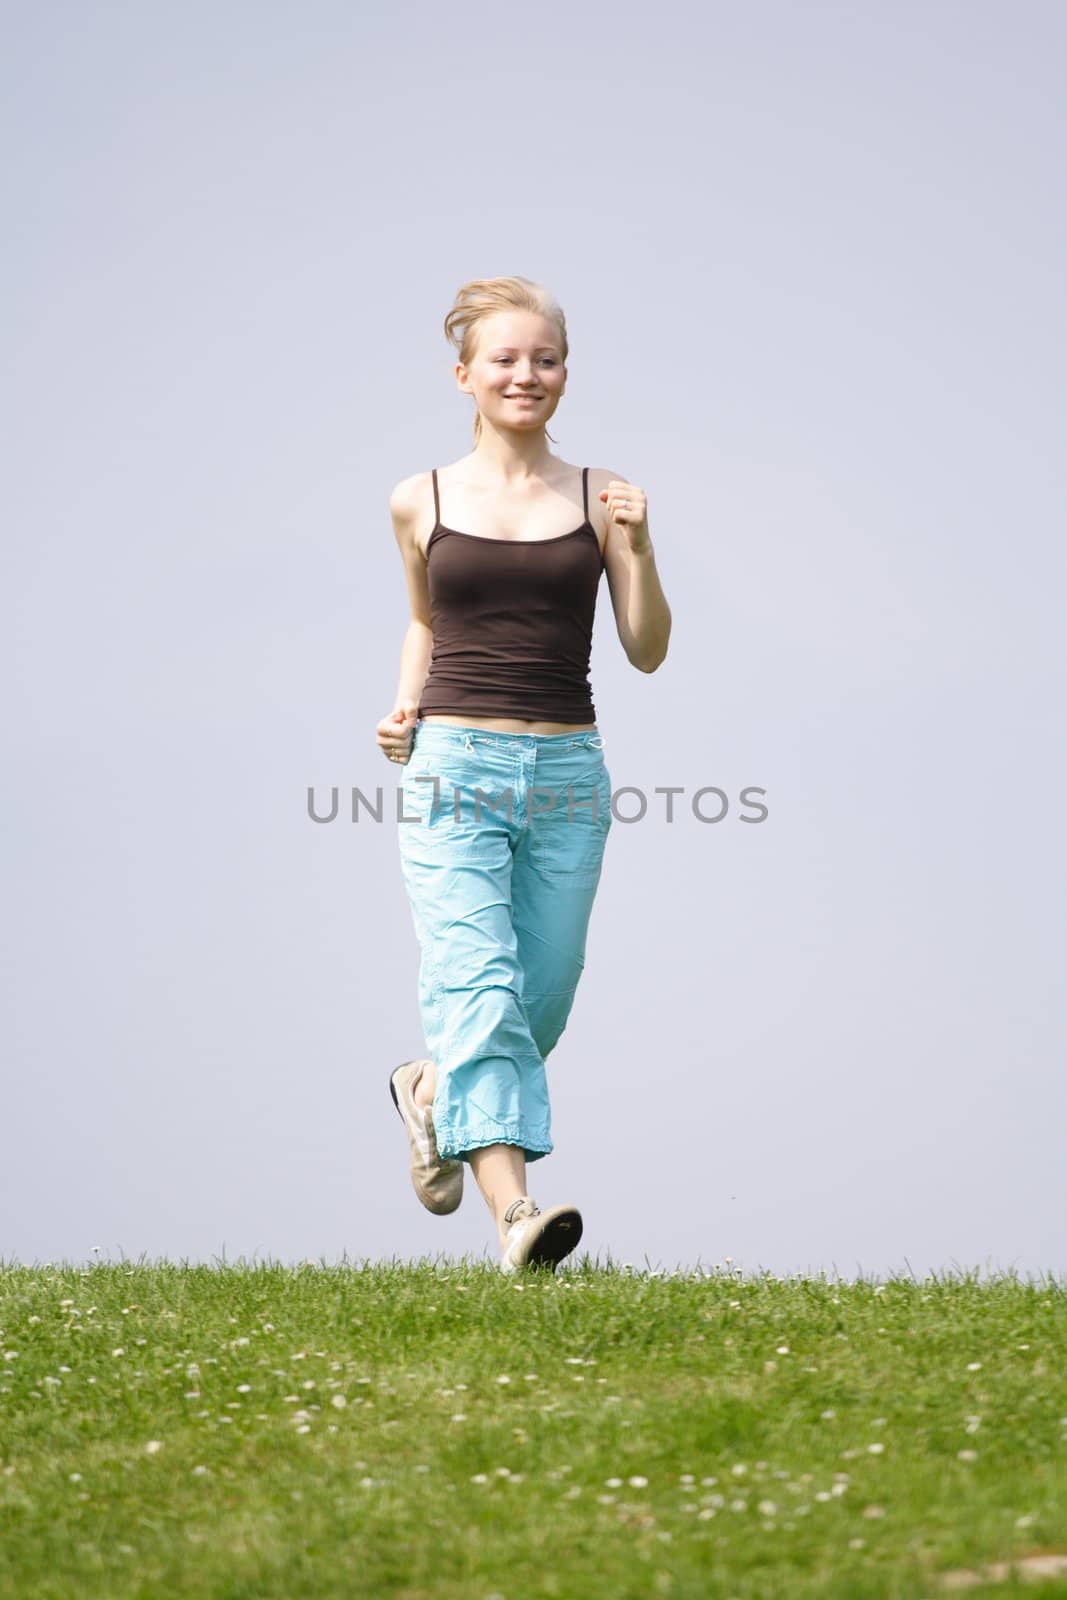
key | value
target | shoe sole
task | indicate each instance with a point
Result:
(556, 1239)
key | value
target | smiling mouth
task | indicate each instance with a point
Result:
(523, 397)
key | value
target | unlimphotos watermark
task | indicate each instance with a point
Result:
(709, 804)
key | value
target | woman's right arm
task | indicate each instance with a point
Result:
(396, 730)
(414, 663)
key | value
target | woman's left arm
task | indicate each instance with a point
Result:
(642, 615)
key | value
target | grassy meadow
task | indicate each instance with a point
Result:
(437, 1429)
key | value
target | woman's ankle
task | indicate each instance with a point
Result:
(423, 1091)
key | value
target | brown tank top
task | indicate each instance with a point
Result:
(512, 622)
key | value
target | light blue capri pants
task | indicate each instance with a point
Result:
(502, 839)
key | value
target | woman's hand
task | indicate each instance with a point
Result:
(628, 507)
(396, 731)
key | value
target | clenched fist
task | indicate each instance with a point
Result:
(628, 507)
(396, 731)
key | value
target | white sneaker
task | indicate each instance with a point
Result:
(537, 1238)
(438, 1184)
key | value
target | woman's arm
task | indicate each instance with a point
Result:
(404, 504)
(414, 662)
(642, 615)
(648, 616)
(396, 729)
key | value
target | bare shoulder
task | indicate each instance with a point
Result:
(411, 508)
(602, 476)
(407, 496)
(407, 511)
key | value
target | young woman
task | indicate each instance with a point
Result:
(507, 798)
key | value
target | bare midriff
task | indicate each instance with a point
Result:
(509, 724)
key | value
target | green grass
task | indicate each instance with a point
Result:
(439, 1429)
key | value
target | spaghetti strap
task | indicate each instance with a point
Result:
(585, 492)
(436, 500)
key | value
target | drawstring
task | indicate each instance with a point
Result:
(469, 744)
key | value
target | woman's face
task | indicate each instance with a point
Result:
(516, 376)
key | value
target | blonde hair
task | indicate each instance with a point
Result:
(480, 298)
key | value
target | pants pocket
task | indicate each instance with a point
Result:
(569, 839)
